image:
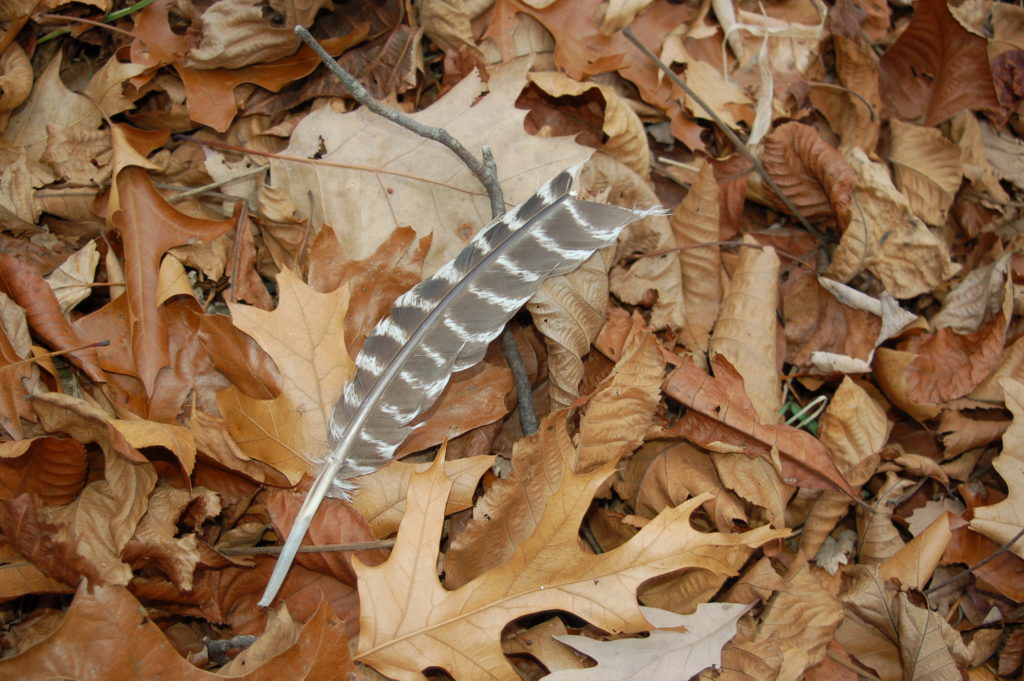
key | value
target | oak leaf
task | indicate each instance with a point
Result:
(666, 653)
(410, 622)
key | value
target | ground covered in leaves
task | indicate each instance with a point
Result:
(778, 439)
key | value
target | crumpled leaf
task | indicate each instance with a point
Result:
(666, 653)
(886, 239)
(695, 221)
(850, 116)
(15, 80)
(411, 622)
(124, 643)
(813, 175)
(937, 68)
(927, 169)
(1003, 520)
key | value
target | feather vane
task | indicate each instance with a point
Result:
(443, 325)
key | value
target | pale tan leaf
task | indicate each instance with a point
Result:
(879, 538)
(420, 624)
(886, 239)
(626, 138)
(981, 295)
(447, 23)
(757, 481)
(305, 335)
(614, 15)
(1002, 521)
(364, 207)
(380, 496)
(913, 565)
(178, 440)
(106, 87)
(723, 95)
(15, 80)
(927, 169)
(569, 311)
(695, 221)
(803, 618)
(79, 155)
(236, 33)
(663, 654)
(70, 282)
(749, 657)
(854, 427)
(746, 329)
(851, 117)
(539, 641)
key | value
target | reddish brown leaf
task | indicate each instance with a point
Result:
(815, 177)
(720, 411)
(123, 644)
(149, 226)
(950, 365)
(937, 68)
(50, 468)
(1001, 573)
(25, 287)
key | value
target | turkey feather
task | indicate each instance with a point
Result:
(443, 325)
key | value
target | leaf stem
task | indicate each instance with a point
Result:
(322, 548)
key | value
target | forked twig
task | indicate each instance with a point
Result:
(485, 172)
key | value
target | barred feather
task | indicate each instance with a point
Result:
(443, 325)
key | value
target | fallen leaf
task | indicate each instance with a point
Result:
(927, 169)
(124, 643)
(459, 630)
(666, 652)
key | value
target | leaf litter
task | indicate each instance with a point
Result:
(199, 227)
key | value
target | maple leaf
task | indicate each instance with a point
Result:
(410, 622)
(663, 654)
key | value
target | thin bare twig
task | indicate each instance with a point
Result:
(740, 146)
(486, 172)
(323, 548)
(988, 559)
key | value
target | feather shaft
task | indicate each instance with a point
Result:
(443, 325)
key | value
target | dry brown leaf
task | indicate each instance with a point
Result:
(19, 577)
(884, 238)
(15, 80)
(894, 637)
(927, 169)
(913, 565)
(723, 95)
(937, 68)
(745, 331)
(812, 174)
(695, 221)
(399, 184)
(879, 539)
(51, 468)
(1002, 521)
(854, 119)
(722, 416)
(18, 377)
(617, 417)
(380, 496)
(802, 618)
(305, 336)
(447, 23)
(538, 641)
(421, 624)
(626, 139)
(125, 644)
(570, 311)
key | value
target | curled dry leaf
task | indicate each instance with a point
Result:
(886, 239)
(927, 169)
(814, 175)
(746, 329)
(51, 468)
(15, 80)
(380, 497)
(124, 643)
(695, 221)
(17, 377)
(855, 120)
(1003, 520)
(457, 630)
(937, 68)
(626, 140)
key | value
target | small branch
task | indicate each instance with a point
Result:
(323, 548)
(216, 185)
(960, 575)
(361, 95)
(485, 172)
(726, 130)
